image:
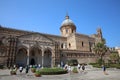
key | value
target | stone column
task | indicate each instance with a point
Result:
(42, 58)
(53, 59)
(38, 61)
(28, 56)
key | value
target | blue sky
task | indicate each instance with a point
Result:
(46, 16)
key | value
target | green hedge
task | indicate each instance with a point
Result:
(52, 71)
(75, 70)
(118, 67)
(115, 66)
(1, 66)
(107, 65)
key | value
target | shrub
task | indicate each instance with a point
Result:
(92, 63)
(37, 73)
(75, 70)
(97, 65)
(100, 61)
(118, 67)
(33, 69)
(52, 71)
(107, 65)
(1, 66)
(73, 62)
(115, 66)
(13, 72)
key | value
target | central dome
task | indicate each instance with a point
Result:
(67, 22)
(67, 27)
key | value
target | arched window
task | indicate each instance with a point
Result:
(66, 30)
(72, 30)
(90, 46)
(82, 44)
(65, 45)
(62, 45)
(69, 45)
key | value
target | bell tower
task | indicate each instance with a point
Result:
(67, 27)
(99, 33)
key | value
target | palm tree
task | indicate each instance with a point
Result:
(100, 49)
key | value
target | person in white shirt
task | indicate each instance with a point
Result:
(78, 66)
(69, 68)
(20, 69)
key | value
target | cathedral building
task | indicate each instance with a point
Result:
(29, 48)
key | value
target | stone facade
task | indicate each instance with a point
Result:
(30, 48)
(117, 49)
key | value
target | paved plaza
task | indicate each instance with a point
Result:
(88, 74)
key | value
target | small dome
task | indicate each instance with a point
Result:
(67, 22)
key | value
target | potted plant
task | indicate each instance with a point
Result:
(75, 70)
(33, 69)
(13, 72)
(37, 73)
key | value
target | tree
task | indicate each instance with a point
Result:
(114, 57)
(100, 49)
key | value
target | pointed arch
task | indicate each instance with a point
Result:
(35, 55)
(47, 57)
(21, 56)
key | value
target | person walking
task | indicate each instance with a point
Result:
(104, 69)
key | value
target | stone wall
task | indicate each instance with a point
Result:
(87, 60)
(82, 43)
(71, 42)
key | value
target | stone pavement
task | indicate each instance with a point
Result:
(89, 74)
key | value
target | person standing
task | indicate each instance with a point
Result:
(69, 68)
(66, 66)
(14, 66)
(20, 69)
(39, 66)
(27, 69)
(62, 65)
(83, 67)
(78, 66)
(104, 69)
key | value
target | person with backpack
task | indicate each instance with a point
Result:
(83, 67)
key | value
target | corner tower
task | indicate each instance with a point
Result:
(99, 33)
(67, 27)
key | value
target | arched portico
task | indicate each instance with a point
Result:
(35, 56)
(47, 58)
(21, 57)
